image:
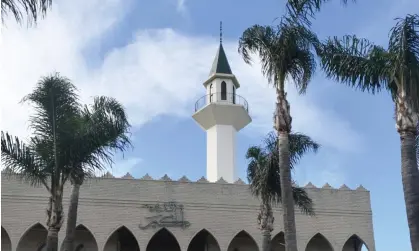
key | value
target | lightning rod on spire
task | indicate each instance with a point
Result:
(221, 32)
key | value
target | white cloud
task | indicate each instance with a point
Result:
(181, 6)
(160, 72)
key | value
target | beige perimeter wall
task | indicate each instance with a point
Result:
(223, 210)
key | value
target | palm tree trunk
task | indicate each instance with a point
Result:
(283, 126)
(72, 218)
(410, 178)
(54, 221)
(290, 231)
(406, 122)
(52, 239)
(266, 240)
(55, 216)
(266, 221)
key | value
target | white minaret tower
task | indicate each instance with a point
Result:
(222, 113)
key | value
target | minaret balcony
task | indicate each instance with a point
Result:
(221, 98)
(222, 109)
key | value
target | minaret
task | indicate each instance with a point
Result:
(221, 113)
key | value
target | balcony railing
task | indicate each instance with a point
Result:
(221, 97)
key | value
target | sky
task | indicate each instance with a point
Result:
(153, 56)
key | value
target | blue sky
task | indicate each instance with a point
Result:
(153, 56)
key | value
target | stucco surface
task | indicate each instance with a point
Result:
(222, 209)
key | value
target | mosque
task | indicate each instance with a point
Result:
(214, 213)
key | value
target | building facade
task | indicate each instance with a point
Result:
(155, 215)
(217, 213)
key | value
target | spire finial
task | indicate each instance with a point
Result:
(221, 32)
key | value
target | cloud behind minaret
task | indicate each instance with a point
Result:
(159, 73)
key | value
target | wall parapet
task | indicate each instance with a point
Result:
(185, 179)
(109, 190)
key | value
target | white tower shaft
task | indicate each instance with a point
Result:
(221, 153)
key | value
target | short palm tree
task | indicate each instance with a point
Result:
(103, 130)
(372, 68)
(286, 53)
(69, 143)
(32, 8)
(43, 159)
(265, 182)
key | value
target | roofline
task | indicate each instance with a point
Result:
(222, 75)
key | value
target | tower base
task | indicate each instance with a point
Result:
(221, 153)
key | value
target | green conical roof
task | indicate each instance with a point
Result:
(220, 64)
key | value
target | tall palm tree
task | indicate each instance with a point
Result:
(32, 8)
(43, 159)
(103, 130)
(265, 182)
(372, 68)
(285, 52)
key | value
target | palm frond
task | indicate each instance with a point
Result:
(404, 46)
(18, 158)
(284, 51)
(304, 10)
(56, 105)
(368, 67)
(299, 58)
(303, 70)
(111, 115)
(303, 201)
(57, 113)
(261, 40)
(255, 170)
(263, 170)
(300, 145)
(357, 63)
(104, 130)
(32, 8)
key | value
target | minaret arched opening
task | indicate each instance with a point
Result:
(223, 91)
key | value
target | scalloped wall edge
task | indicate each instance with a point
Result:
(185, 179)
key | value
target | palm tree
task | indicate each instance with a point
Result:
(265, 182)
(70, 142)
(32, 8)
(368, 67)
(285, 52)
(43, 160)
(103, 130)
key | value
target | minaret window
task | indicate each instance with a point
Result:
(223, 91)
(211, 93)
(234, 94)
